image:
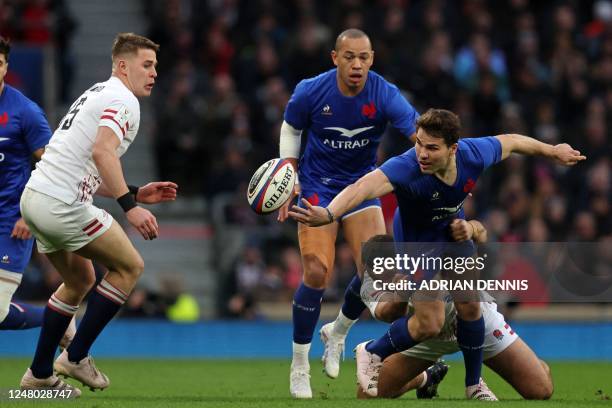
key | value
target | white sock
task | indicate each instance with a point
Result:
(424, 379)
(342, 325)
(300, 355)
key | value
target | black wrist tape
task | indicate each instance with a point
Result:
(127, 201)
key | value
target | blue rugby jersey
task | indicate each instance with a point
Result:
(23, 130)
(426, 204)
(342, 132)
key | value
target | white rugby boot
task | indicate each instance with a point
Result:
(68, 335)
(299, 382)
(368, 367)
(29, 382)
(480, 392)
(84, 371)
(334, 350)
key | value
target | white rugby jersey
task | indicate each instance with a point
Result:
(67, 171)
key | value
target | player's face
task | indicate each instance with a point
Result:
(353, 59)
(141, 72)
(432, 152)
(3, 67)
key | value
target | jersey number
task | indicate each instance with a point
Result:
(72, 113)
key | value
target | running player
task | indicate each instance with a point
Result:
(345, 111)
(431, 182)
(24, 133)
(82, 159)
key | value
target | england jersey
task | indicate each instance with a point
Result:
(427, 205)
(343, 133)
(67, 171)
(23, 130)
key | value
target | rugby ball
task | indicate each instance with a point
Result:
(271, 186)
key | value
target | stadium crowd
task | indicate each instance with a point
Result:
(512, 66)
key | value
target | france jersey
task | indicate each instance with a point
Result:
(427, 205)
(343, 133)
(23, 130)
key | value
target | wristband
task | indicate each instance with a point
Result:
(133, 189)
(127, 201)
(330, 215)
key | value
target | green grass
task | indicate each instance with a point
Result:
(265, 383)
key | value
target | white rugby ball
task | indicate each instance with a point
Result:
(271, 186)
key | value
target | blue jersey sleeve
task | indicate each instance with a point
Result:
(486, 150)
(35, 127)
(400, 169)
(400, 112)
(297, 110)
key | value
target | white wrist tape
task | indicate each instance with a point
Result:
(290, 139)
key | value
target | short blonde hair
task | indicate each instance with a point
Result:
(130, 43)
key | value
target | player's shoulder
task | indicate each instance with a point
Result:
(381, 82)
(405, 163)
(113, 91)
(308, 85)
(16, 97)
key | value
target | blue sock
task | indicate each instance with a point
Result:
(306, 310)
(470, 337)
(22, 316)
(102, 305)
(56, 319)
(396, 339)
(353, 306)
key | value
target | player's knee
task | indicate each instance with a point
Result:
(468, 310)
(136, 267)
(428, 326)
(388, 312)
(315, 272)
(540, 388)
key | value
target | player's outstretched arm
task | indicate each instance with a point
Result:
(104, 155)
(373, 185)
(562, 153)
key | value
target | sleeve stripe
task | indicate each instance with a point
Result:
(113, 119)
(110, 110)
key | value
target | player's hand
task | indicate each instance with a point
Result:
(461, 230)
(21, 230)
(283, 212)
(566, 155)
(157, 192)
(312, 215)
(144, 222)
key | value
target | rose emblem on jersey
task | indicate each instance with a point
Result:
(469, 185)
(498, 334)
(369, 110)
(4, 119)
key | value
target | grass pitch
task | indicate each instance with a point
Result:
(265, 383)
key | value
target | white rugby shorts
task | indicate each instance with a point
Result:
(498, 336)
(57, 225)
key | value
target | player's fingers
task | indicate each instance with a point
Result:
(169, 184)
(300, 210)
(298, 217)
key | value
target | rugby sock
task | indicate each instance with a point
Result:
(395, 340)
(306, 310)
(102, 306)
(22, 316)
(300, 355)
(342, 325)
(470, 337)
(353, 306)
(56, 318)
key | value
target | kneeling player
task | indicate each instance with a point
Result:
(503, 351)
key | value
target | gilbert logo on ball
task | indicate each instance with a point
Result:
(271, 186)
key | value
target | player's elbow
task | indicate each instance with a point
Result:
(98, 152)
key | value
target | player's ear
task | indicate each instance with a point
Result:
(334, 57)
(453, 148)
(372, 60)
